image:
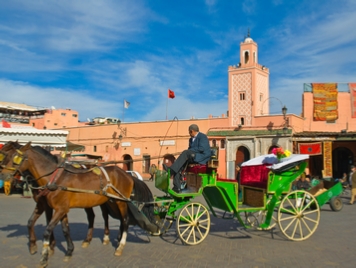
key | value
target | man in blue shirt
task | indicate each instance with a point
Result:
(198, 152)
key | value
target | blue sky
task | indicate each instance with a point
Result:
(90, 55)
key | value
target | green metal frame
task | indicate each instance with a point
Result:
(223, 195)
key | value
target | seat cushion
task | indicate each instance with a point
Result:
(197, 168)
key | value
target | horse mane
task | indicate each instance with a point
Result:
(143, 194)
(45, 153)
(11, 144)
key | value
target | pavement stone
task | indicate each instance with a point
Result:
(227, 245)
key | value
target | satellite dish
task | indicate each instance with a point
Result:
(88, 119)
(53, 108)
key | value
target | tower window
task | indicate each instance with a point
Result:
(242, 120)
(242, 96)
(247, 57)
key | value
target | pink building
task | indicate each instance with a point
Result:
(326, 129)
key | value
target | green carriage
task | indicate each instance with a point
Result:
(263, 199)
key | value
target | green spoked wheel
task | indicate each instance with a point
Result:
(298, 215)
(193, 223)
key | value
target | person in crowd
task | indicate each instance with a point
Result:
(152, 172)
(303, 183)
(238, 171)
(343, 180)
(353, 185)
(350, 175)
(198, 152)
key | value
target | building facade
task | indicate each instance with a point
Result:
(325, 130)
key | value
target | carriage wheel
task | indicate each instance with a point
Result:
(193, 223)
(336, 203)
(298, 215)
(7, 187)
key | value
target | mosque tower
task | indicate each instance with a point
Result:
(248, 86)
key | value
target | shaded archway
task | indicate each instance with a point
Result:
(128, 165)
(242, 155)
(342, 160)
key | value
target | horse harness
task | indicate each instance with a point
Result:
(55, 174)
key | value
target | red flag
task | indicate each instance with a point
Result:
(310, 148)
(171, 94)
(5, 124)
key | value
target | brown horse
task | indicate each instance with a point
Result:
(42, 206)
(73, 189)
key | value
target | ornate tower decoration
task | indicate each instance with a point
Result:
(248, 84)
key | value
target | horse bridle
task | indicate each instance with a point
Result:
(3, 156)
(18, 158)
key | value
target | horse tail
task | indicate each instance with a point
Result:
(143, 195)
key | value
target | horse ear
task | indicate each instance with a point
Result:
(27, 146)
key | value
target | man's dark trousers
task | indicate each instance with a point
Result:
(177, 166)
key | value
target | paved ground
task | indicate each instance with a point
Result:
(227, 245)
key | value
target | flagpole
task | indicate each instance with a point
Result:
(167, 109)
(123, 112)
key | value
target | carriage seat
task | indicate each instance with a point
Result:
(202, 168)
(254, 176)
(197, 168)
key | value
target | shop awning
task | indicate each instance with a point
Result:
(24, 134)
(70, 147)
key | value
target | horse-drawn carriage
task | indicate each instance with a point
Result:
(266, 199)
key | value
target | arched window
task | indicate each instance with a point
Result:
(242, 121)
(222, 144)
(247, 55)
(213, 142)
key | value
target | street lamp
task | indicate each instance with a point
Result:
(284, 111)
(286, 120)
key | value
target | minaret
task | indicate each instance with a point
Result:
(248, 85)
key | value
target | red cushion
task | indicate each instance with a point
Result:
(255, 176)
(197, 168)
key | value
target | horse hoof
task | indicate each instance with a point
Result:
(118, 253)
(106, 242)
(85, 244)
(33, 250)
(51, 252)
(43, 263)
(67, 258)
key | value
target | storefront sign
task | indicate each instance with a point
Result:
(168, 142)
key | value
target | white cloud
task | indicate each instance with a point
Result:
(81, 101)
